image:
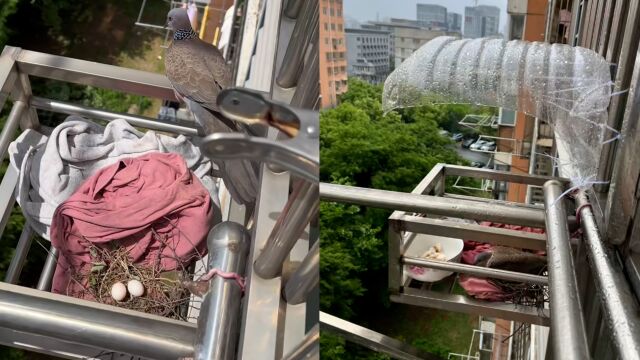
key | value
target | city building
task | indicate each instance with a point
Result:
(406, 37)
(432, 16)
(454, 22)
(368, 54)
(482, 21)
(332, 52)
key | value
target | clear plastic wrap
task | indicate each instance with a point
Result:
(570, 87)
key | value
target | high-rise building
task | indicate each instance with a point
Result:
(454, 22)
(406, 37)
(332, 52)
(481, 21)
(368, 54)
(432, 16)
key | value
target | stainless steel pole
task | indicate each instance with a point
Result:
(22, 249)
(305, 278)
(300, 208)
(78, 321)
(44, 283)
(618, 302)
(219, 320)
(476, 270)
(433, 205)
(309, 347)
(141, 121)
(11, 126)
(293, 61)
(567, 326)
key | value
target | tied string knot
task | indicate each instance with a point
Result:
(239, 280)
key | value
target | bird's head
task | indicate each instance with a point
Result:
(178, 19)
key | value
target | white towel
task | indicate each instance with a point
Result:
(52, 167)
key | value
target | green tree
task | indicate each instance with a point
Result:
(360, 145)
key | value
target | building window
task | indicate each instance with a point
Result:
(516, 27)
(324, 10)
(331, 12)
(333, 26)
(326, 27)
(339, 12)
(339, 27)
(326, 41)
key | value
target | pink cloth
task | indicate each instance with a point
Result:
(481, 288)
(152, 205)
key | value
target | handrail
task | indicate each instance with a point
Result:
(135, 120)
(95, 74)
(432, 204)
(567, 325)
(89, 323)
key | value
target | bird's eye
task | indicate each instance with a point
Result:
(170, 18)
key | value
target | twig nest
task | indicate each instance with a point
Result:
(135, 288)
(118, 291)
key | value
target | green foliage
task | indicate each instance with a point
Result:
(348, 248)
(362, 146)
(7, 8)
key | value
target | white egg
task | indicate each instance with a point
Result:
(118, 291)
(135, 288)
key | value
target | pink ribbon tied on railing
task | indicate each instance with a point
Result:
(225, 275)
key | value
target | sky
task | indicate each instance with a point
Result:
(366, 10)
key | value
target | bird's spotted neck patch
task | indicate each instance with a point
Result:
(182, 34)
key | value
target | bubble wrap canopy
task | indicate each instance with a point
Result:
(570, 87)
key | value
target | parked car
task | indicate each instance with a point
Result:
(478, 144)
(488, 146)
(443, 132)
(457, 137)
(477, 164)
(467, 143)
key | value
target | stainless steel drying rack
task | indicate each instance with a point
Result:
(278, 313)
(567, 273)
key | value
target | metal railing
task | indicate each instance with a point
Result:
(569, 332)
(28, 310)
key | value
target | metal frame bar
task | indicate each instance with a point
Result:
(135, 120)
(479, 271)
(88, 323)
(464, 304)
(301, 207)
(305, 278)
(567, 325)
(432, 205)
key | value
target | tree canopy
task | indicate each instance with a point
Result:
(362, 146)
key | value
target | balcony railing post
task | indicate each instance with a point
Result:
(219, 320)
(567, 325)
(300, 208)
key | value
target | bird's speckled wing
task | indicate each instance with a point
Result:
(197, 72)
